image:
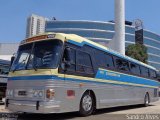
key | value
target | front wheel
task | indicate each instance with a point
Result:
(86, 104)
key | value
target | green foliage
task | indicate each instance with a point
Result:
(138, 52)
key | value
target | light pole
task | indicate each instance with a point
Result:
(118, 42)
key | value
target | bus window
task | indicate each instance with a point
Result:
(104, 60)
(152, 73)
(121, 64)
(135, 69)
(47, 57)
(84, 64)
(109, 61)
(144, 71)
(70, 57)
(21, 60)
(100, 59)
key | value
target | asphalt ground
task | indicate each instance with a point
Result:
(136, 112)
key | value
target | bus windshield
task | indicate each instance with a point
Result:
(38, 55)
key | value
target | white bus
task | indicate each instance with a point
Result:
(56, 73)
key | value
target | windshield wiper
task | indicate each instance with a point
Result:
(23, 62)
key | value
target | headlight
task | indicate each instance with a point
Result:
(40, 94)
(37, 93)
(9, 92)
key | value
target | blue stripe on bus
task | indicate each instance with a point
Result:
(51, 77)
(125, 78)
(38, 77)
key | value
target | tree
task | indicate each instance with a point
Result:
(138, 52)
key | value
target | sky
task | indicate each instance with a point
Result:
(14, 13)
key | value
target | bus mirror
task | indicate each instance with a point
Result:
(67, 54)
(12, 59)
(63, 66)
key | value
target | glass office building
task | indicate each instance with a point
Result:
(103, 32)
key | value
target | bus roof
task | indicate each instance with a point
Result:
(80, 41)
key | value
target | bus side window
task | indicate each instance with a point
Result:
(104, 60)
(152, 74)
(135, 69)
(70, 58)
(121, 64)
(144, 71)
(109, 61)
(84, 64)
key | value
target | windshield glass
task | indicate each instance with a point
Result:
(22, 57)
(43, 54)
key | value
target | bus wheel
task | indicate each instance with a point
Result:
(146, 100)
(86, 104)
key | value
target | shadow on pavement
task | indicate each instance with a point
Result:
(69, 116)
(116, 109)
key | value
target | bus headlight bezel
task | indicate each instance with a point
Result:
(38, 93)
(9, 92)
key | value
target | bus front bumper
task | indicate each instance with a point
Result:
(33, 106)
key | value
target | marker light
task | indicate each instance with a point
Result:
(50, 93)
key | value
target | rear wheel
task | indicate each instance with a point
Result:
(146, 100)
(86, 104)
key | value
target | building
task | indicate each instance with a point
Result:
(103, 32)
(7, 50)
(35, 25)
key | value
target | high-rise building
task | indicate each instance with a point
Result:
(35, 25)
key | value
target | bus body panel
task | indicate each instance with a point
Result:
(110, 87)
(107, 95)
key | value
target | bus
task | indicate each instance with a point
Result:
(4, 70)
(57, 73)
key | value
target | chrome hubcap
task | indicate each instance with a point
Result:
(87, 103)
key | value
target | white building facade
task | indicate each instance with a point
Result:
(7, 50)
(35, 25)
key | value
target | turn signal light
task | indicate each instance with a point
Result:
(50, 93)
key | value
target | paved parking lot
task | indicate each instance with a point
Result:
(117, 113)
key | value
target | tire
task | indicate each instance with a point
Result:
(87, 104)
(146, 100)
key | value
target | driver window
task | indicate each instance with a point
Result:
(70, 57)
